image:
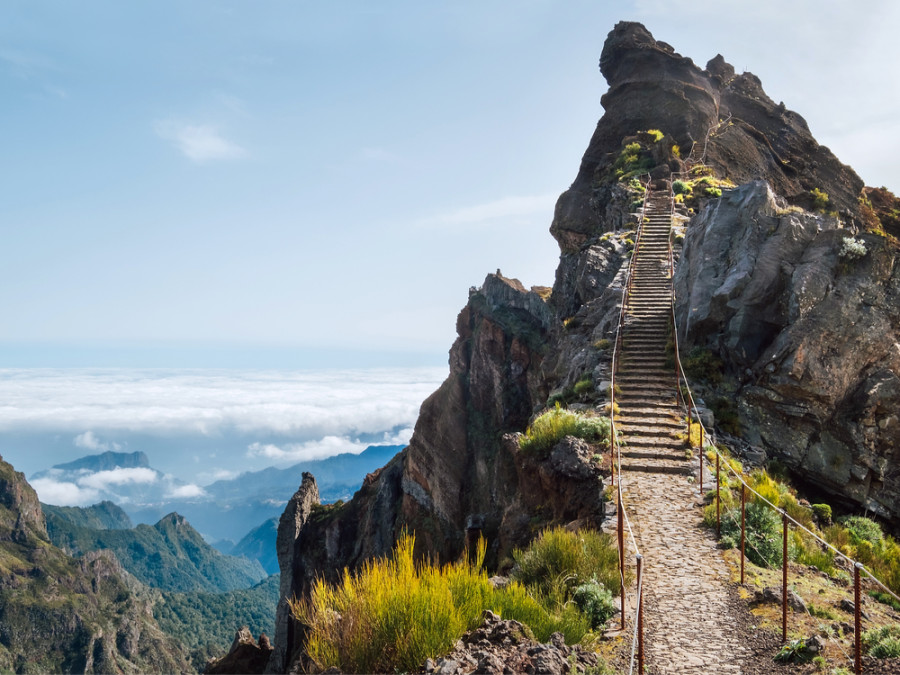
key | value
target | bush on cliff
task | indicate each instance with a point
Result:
(554, 425)
(394, 613)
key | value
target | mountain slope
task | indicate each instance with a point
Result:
(205, 622)
(259, 544)
(170, 555)
(102, 516)
(63, 615)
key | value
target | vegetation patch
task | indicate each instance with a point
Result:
(884, 642)
(394, 613)
(702, 364)
(554, 425)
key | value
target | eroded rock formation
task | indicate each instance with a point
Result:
(809, 332)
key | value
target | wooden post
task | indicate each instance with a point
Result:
(857, 635)
(718, 511)
(784, 570)
(743, 526)
(640, 618)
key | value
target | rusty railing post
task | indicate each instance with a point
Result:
(640, 616)
(743, 526)
(621, 534)
(691, 441)
(718, 511)
(784, 575)
(857, 637)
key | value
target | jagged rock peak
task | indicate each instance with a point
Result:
(715, 116)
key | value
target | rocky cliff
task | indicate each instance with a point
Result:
(803, 320)
(58, 614)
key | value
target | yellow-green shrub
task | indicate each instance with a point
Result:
(394, 613)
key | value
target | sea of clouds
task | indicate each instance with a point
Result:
(198, 426)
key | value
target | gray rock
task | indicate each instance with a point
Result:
(772, 595)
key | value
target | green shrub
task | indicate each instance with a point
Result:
(595, 602)
(822, 612)
(713, 192)
(726, 414)
(863, 529)
(702, 364)
(884, 642)
(584, 386)
(820, 199)
(794, 651)
(656, 134)
(680, 187)
(886, 598)
(822, 512)
(763, 534)
(559, 556)
(554, 425)
(602, 345)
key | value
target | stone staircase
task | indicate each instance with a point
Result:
(650, 420)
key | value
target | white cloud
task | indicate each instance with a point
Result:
(290, 453)
(186, 492)
(303, 405)
(64, 493)
(506, 209)
(90, 441)
(102, 480)
(200, 143)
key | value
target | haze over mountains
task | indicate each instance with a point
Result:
(147, 495)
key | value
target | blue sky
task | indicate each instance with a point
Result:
(216, 183)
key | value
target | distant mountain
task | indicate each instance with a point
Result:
(106, 461)
(124, 478)
(259, 544)
(170, 555)
(102, 516)
(59, 615)
(225, 510)
(231, 508)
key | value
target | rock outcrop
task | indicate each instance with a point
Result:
(712, 114)
(245, 655)
(463, 474)
(808, 325)
(499, 646)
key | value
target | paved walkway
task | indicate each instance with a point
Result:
(689, 626)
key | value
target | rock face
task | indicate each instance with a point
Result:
(809, 330)
(63, 615)
(653, 87)
(463, 473)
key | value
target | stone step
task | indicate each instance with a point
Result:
(651, 456)
(658, 466)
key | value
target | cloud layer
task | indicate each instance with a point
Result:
(305, 405)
